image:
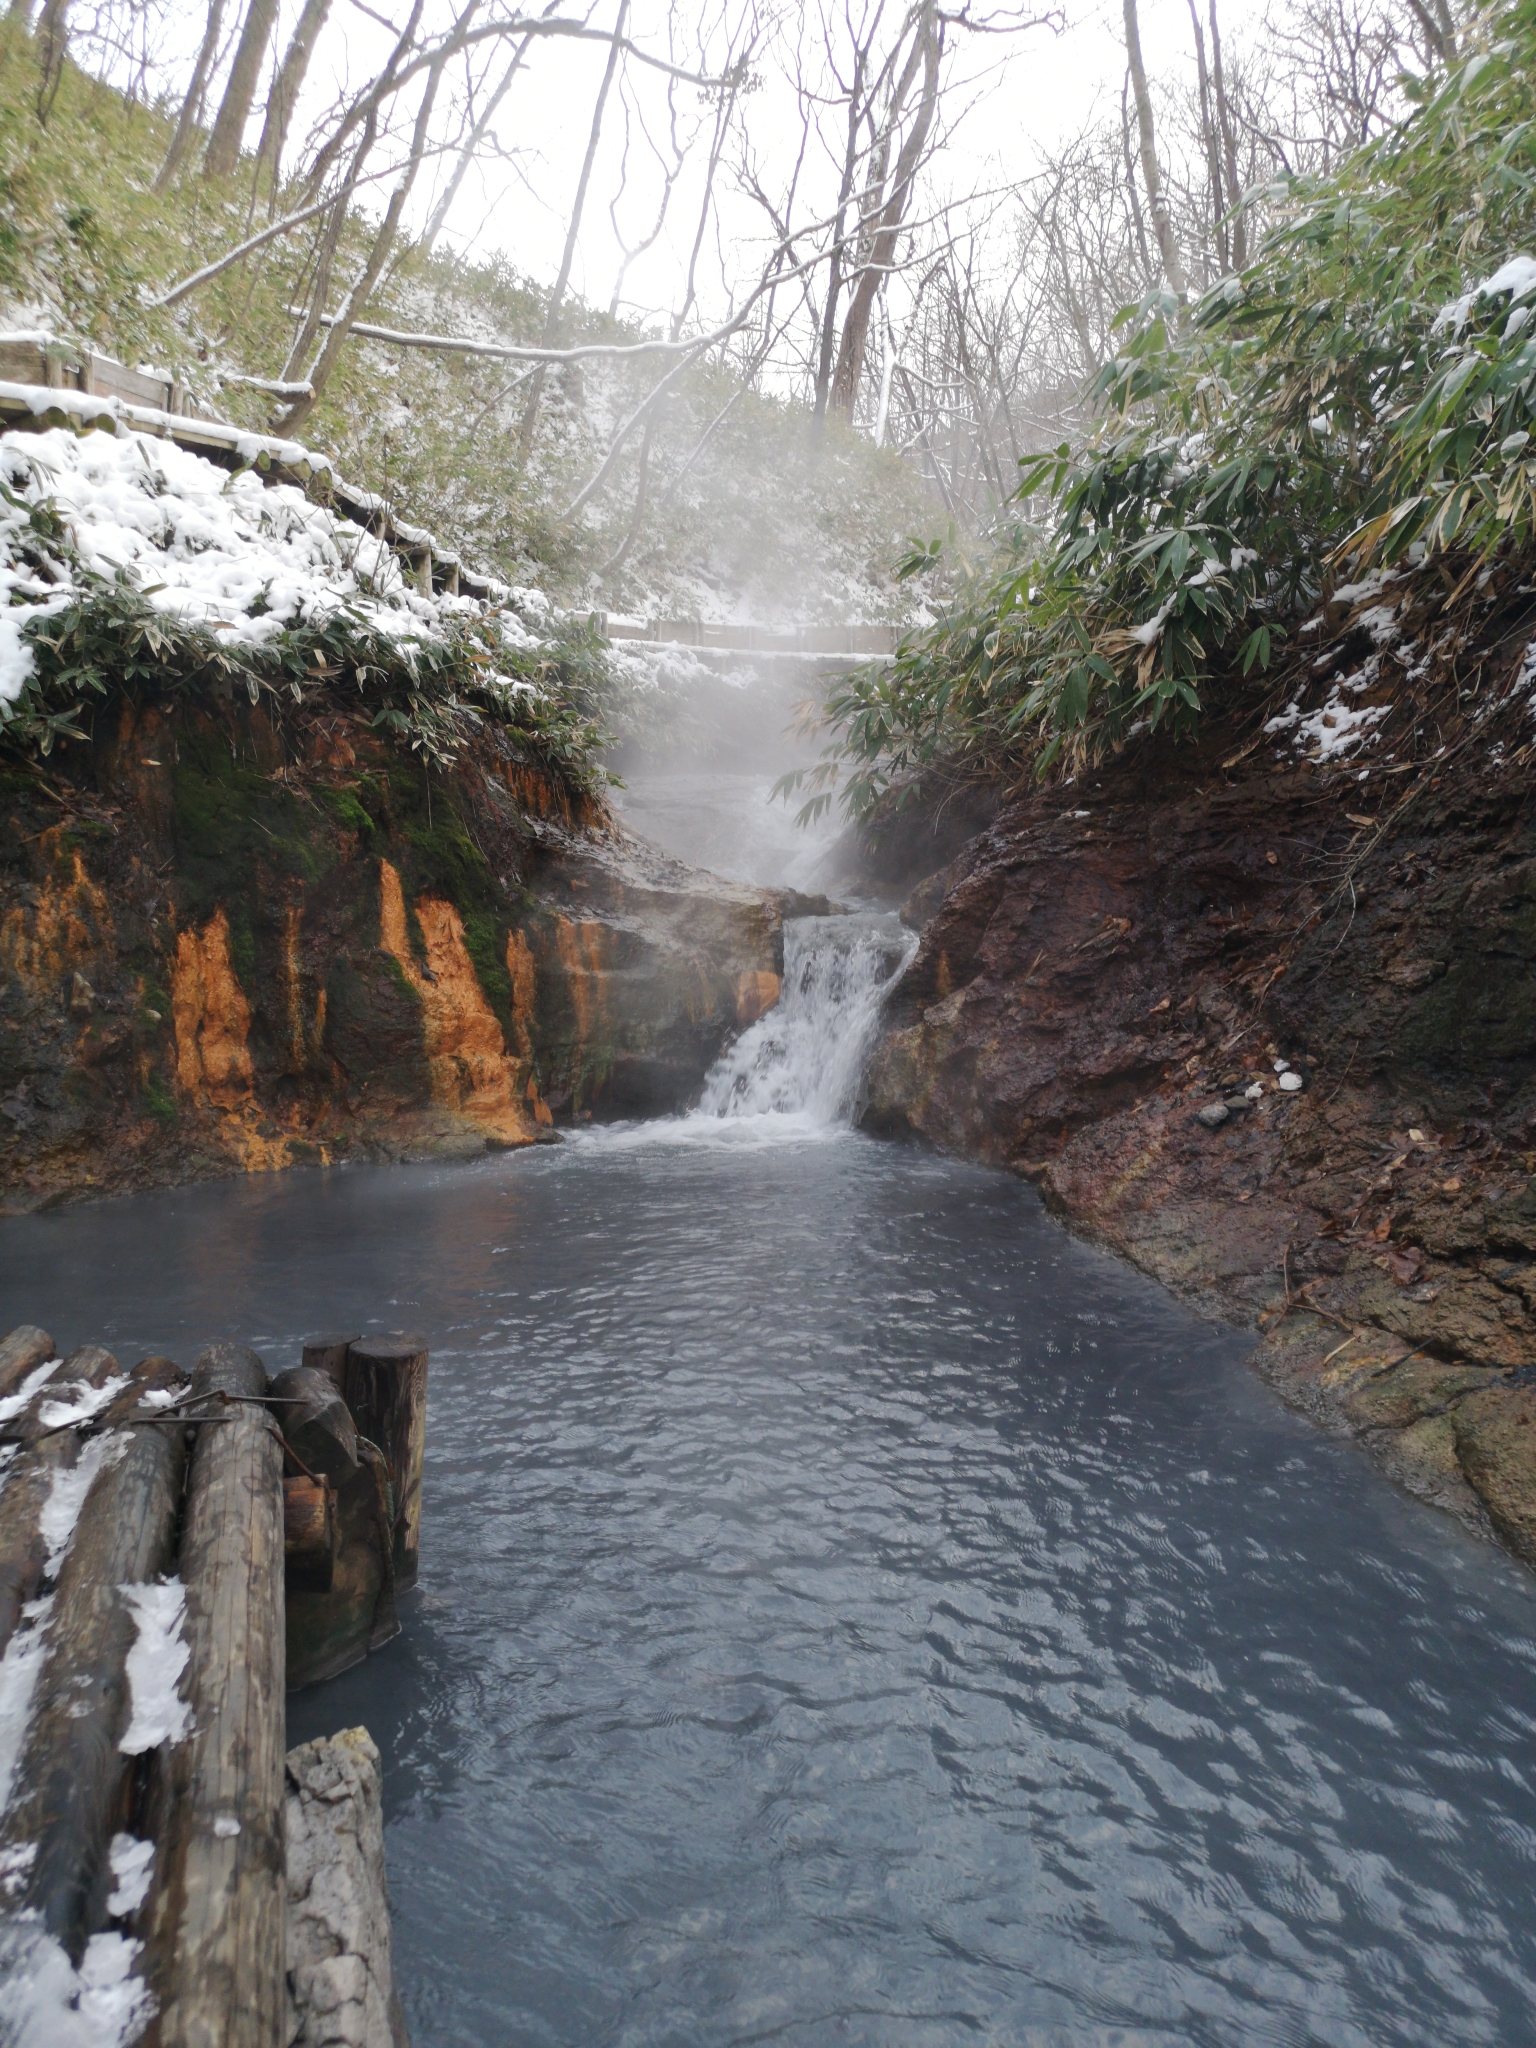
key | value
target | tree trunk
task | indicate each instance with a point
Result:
(1130, 180)
(850, 355)
(191, 106)
(325, 259)
(373, 267)
(1228, 147)
(216, 1936)
(223, 151)
(530, 417)
(52, 40)
(1212, 145)
(835, 263)
(1157, 204)
(287, 87)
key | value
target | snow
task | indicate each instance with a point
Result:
(13, 1404)
(132, 1865)
(1517, 275)
(165, 1397)
(1148, 630)
(242, 559)
(71, 1484)
(19, 1667)
(155, 1663)
(88, 1401)
(1335, 728)
(1380, 621)
(46, 2003)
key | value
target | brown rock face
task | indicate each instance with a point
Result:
(1109, 959)
(228, 946)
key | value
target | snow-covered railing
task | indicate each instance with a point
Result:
(46, 382)
(742, 639)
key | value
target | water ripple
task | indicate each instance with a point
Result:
(854, 1614)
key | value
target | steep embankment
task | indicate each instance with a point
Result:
(231, 942)
(1111, 959)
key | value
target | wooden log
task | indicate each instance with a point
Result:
(329, 1355)
(29, 1482)
(72, 1775)
(23, 1351)
(315, 1422)
(387, 1393)
(309, 1534)
(215, 1934)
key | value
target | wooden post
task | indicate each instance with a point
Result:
(23, 1351)
(71, 1776)
(387, 1394)
(217, 1925)
(329, 1355)
(29, 1481)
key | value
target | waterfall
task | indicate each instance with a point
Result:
(802, 1062)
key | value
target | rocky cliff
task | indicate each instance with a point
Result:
(1112, 977)
(229, 942)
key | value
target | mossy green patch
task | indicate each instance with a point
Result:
(159, 1101)
(348, 812)
(233, 823)
(485, 941)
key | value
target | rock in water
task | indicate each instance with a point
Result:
(341, 1978)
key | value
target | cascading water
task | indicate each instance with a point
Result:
(803, 1061)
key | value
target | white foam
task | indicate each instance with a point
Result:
(793, 1077)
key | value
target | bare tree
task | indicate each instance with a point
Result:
(287, 86)
(885, 203)
(1162, 225)
(192, 104)
(530, 418)
(223, 151)
(474, 142)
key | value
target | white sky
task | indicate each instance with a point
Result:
(1025, 91)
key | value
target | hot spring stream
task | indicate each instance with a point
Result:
(854, 1612)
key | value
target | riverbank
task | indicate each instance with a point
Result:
(1113, 974)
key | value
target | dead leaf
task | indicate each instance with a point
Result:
(1383, 1228)
(1355, 819)
(1405, 1263)
(1273, 859)
(1450, 1187)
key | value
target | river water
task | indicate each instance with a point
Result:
(853, 1612)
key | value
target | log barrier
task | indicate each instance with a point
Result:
(176, 1554)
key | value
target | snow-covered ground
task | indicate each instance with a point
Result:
(242, 559)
